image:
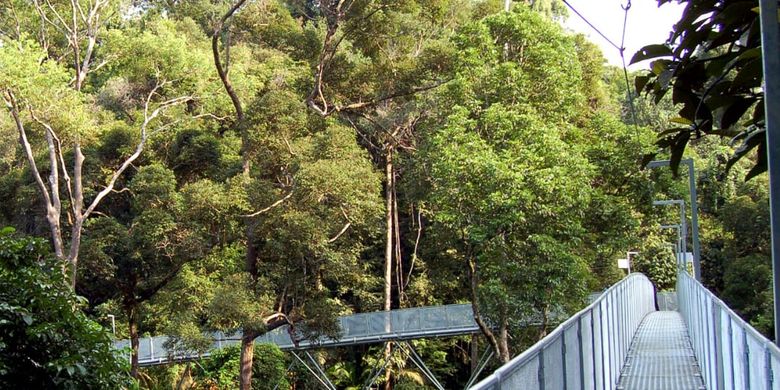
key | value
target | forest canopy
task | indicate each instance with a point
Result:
(186, 167)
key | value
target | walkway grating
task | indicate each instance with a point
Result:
(661, 357)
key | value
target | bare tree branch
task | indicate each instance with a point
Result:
(222, 70)
(148, 117)
(53, 210)
(12, 104)
(57, 149)
(274, 204)
(416, 245)
(344, 229)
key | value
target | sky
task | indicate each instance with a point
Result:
(647, 24)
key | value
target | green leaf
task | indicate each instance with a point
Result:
(761, 162)
(678, 148)
(751, 140)
(651, 51)
(735, 111)
(659, 66)
(647, 158)
(749, 76)
(680, 120)
(640, 82)
(28, 319)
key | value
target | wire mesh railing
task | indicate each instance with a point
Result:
(586, 351)
(731, 353)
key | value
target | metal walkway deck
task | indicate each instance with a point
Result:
(661, 356)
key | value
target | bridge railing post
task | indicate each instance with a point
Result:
(718, 347)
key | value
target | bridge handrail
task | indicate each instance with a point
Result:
(587, 350)
(731, 353)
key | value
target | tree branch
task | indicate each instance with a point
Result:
(223, 70)
(274, 204)
(58, 151)
(151, 291)
(416, 245)
(474, 282)
(344, 229)
(12, 104)
(140, 147)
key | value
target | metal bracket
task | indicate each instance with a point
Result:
(481, 364)
(417, 360)
(378, 370)
(315, 369)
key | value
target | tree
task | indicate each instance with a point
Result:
(502, 181)
(132, 262)
(513, 216)
(712, 65)
(46, 341)
(64, 116)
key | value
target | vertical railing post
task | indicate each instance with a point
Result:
(540, 371)
(719, 374)
(581, 353)
(768, 367)
(731, 353)
(594, 357)
(746, 356)
(563, 359)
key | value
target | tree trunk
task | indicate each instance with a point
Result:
(545, 322)
(247, 358)
(389, 228)
(389, 233)
(399, 268)
(73, 256)
(473, 275)
(474, 353)
(53, 218)
(132, 323)
(78, 218)
(503, 340)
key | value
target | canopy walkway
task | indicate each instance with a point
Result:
(363, 328)
(620, 341)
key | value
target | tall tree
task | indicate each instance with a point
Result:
(40, 97)
(502, 181)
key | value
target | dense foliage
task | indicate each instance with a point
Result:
(46, 341)
(712, 65)
(207, 165)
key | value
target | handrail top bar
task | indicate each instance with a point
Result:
(531, 352)
(665, 163)
(667, 202)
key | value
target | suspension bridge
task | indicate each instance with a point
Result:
(619, 341)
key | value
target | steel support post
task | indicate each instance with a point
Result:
(694, 222)
(694, 211)
(417, 360)
(683, 226)
(769, 44)
(378, 370)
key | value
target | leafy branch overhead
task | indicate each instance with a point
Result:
(712, 65)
